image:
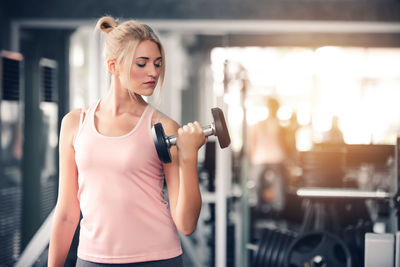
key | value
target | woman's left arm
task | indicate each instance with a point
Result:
(181, 175)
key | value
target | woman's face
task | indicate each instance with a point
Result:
(146, 68)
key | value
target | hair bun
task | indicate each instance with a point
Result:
(106, 24)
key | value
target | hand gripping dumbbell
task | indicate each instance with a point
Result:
(217, 128)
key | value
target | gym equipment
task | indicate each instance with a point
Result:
(323, 168)
(317, 192)
(12, 122)
(318, 249)
(379, 250)
(354, 237)
(272, 248)
(217, 128)
(397, 249)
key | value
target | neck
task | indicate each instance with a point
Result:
(118, 100)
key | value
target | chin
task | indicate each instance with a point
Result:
(150, 94)
(147, 92)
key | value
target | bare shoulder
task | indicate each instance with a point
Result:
(72, 118)
(170, 126)
(70, 123)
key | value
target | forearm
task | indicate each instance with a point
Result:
(189, 198)
(62, 232)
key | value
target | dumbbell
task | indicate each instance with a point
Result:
(218, 128)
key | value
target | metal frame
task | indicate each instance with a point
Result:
(37, 244)
(221, 27)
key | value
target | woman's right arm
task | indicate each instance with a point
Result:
(67, 211)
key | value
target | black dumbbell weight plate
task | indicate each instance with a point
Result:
(221, 130)
(318, 249)
(270, 248)
(162, 148)
(282, 251)
(262, 246)
(277, 248)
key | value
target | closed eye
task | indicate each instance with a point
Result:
(158, 64)
(141, 64)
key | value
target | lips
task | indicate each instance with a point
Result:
(150, 83)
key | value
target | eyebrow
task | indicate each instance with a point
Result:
(146, 58)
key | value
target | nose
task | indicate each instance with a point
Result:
(152, 71)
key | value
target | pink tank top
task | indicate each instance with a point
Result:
(125, 217)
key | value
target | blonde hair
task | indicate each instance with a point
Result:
(121, 42)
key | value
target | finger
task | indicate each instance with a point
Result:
(198, 126)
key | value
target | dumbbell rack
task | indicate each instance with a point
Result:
(340, 193)
(379, 248)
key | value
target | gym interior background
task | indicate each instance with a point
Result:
(325, 61)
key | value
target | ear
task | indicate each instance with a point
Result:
(112, 67)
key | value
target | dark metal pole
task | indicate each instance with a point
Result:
(396, 199)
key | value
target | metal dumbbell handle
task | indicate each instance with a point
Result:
(207, 130)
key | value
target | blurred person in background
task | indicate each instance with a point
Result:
(267, 152)
(335, 135)
(289, 133)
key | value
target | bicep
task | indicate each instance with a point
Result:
(157, 117)
(171, 170)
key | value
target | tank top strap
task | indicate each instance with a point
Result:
(93, 107)
(81, 117)
(83, 113)
(149, 116)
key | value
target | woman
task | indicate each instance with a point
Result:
(110, 171)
